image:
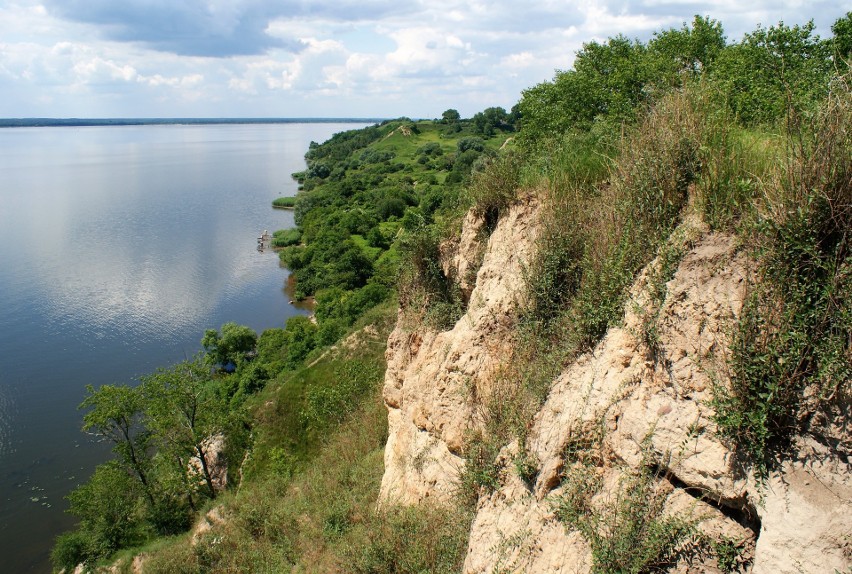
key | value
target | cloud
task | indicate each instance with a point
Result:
(322, 57)
(219, 28)
(212, 28)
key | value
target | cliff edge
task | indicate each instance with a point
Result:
(625, 436)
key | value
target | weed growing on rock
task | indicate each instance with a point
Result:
(630, 534)
(791, 355)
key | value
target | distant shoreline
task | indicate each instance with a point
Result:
(86, 122)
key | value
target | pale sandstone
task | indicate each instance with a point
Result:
(430, 375)
(649, 407)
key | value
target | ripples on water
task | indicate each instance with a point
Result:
(118, 247)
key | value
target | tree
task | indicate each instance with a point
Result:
(235, 344)
(774, 70)
(842, 41)
(450, 116)
(115, 415)
(688, 50)
(183, 412)
(109, 509)
(301, 339)
(485, 122)
(608, 81)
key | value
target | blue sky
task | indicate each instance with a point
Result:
(322, 58)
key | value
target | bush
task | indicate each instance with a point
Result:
(424, 288)
(790, 354)
(70, 549)
(629, 534)
(493, 189)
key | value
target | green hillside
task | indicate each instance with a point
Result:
(753, 137)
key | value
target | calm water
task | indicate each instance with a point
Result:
(118, 247)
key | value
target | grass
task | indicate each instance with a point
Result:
(791, 361)
(284, 202)
(604, 220)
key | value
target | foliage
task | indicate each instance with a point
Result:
(494, 188)
(424, 287)
(284, 202)
(358, 188)
(689, 50)
(611, 80)
(183, 412)
(630, 533)
(321, 514)
(792, 339)
(481, 471)
(842, 42)
(772, 70)
(110, 512)
(232, 344)
(115, 413)
(286, 238)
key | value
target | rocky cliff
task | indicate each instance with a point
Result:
(625, 429)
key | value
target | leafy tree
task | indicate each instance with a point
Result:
(842, 41)
(450, 116)
(301, 339)
(115, 415)
(609, 80)
(235, 344)
(183, 411)
(375, 238)
(688, 50)
(475, 144)
(489, 120)
(772, 70)
(390, 207)
(109, 509)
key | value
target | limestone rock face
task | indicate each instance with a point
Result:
(805, 515)
(430, 375)
(646, 394)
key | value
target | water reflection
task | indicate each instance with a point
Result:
(118, 247)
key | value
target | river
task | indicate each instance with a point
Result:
(119, 245)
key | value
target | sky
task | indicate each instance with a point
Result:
(323, 58)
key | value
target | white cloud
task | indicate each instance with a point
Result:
(341, 58)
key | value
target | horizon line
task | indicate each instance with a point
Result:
(82, 122)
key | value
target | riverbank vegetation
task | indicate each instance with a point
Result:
(754, 136)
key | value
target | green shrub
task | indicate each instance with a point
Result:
(493, 189)
(629, 534)
(423, 286)
(790, 353)
(481, 471)
(72, 548)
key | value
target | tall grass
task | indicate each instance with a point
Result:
(607, 212)
(792, 354)
(311, 507)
